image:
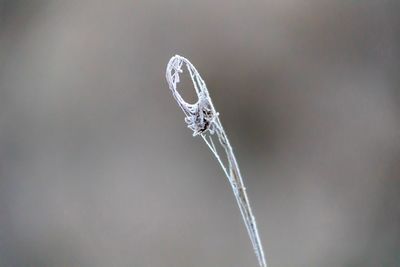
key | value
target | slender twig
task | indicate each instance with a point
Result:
(203, 119)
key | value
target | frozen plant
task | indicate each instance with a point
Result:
(203, 119)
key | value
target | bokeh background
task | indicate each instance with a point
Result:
(97, 167)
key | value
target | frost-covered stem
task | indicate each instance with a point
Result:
(203, 119)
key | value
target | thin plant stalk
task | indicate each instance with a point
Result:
(203, 119)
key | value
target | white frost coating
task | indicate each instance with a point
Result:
(202, 118)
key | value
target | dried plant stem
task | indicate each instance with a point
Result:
(203, 119)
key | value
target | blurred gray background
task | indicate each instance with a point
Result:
(97, 167)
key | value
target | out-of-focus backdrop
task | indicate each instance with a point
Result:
(98, 169)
